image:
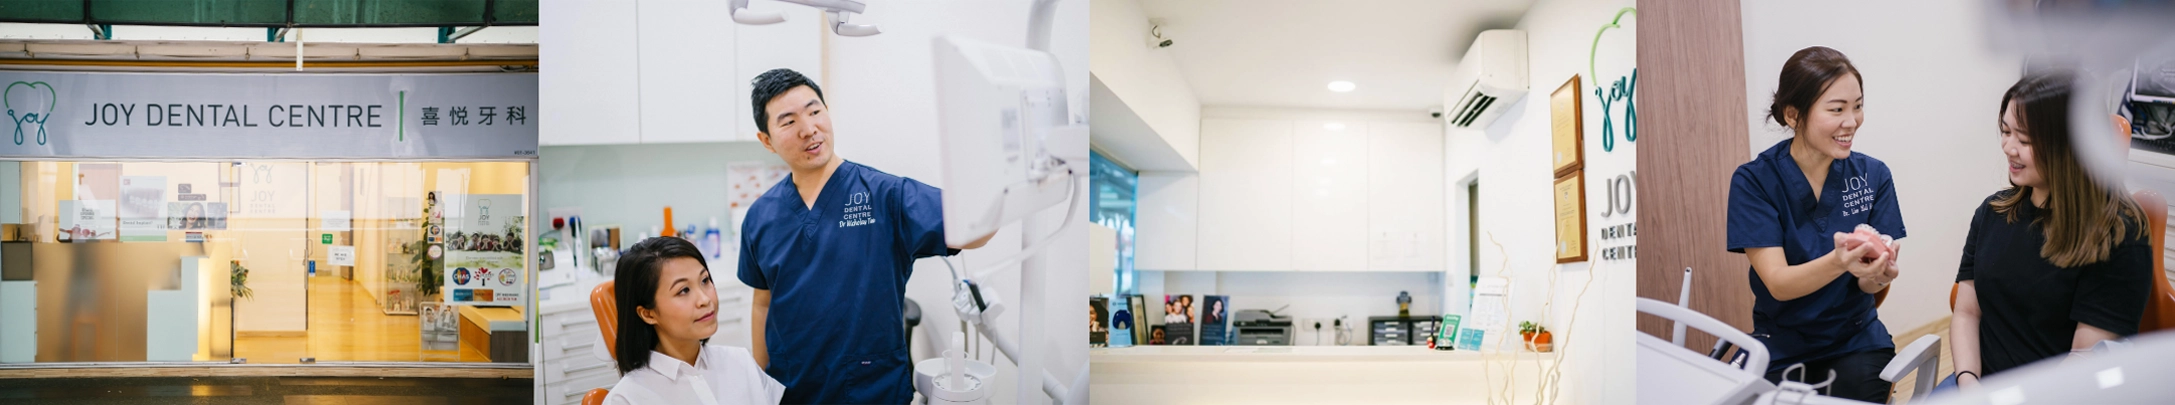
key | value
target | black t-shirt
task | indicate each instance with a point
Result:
(2029, 308)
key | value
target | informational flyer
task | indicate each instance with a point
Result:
(340, 255)
(196, 215)
(1121, 322)
(86, 220)
(143, 208)
(483, 242)
(1490, 317)
(1215, 324)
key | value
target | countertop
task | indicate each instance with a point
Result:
(1313, 374)
(1300, 354)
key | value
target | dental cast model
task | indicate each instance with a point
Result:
(1863, 235)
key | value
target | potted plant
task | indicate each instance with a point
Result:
(1525, 332)
(238, 278)
(428, 275)
(1542, 341)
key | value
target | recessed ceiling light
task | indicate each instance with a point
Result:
(1341, 86)
(1334, 126)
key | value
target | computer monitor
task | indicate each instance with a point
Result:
(998, 108)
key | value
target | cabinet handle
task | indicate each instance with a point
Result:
(573, 320)
(565, 347)
(591, 366)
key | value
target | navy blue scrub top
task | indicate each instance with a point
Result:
(837, 279)
(1772, 205)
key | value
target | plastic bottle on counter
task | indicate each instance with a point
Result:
(712, 240)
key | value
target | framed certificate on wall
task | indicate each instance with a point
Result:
(1568, 127)
(1571, 217)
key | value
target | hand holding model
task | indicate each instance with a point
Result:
(1869, 254)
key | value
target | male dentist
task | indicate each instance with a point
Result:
(828, 254)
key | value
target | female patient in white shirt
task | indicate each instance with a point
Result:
(667, 312)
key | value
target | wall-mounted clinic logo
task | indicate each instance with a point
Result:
(25, 106)
(1618, 93)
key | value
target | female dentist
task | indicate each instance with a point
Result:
(1814, 303)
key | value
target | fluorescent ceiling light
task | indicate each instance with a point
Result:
(1334, 126)
(1341, 86)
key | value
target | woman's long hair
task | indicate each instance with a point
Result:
(2083, 220)
(635, 286)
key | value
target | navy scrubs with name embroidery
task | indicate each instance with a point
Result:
(1771, 204)
(837, 272)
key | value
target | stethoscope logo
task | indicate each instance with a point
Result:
(26, 111)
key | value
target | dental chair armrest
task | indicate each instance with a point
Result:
(1921, 353)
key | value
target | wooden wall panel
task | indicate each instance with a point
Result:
(1691, 100)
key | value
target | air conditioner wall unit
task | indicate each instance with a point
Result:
(1491, 77)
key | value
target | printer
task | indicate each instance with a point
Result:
(1260, 327)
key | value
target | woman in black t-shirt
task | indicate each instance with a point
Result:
(2055, 264)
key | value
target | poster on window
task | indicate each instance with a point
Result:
(143, 208)
(483, 260)
(196, 215)
(86, 220)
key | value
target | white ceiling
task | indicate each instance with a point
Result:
(1284, 53)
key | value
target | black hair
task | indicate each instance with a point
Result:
(770, 85)
(635, 285)
(1808, 73)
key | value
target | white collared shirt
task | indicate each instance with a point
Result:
(721, 375)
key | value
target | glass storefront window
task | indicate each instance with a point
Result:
(1114, 187)
(272, 261)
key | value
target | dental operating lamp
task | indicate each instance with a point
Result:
(839, 10)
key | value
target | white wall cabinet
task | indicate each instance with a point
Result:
(1246, 189)
(1295, 195)
(670, 73)
(587, 84)
(1168, 223)
(1405, 197)
(1330, 185)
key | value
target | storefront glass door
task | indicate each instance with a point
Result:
(271, 261)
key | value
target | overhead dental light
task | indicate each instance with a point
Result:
(839, 9)
(1341, 86)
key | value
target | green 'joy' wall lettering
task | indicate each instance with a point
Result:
(1618, 93)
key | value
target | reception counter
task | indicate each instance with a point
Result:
(1312, 374)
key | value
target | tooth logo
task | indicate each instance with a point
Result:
(25, 108)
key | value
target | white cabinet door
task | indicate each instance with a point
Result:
(1168, 223)
(794, 44)
(590, 90)
(1246, 190)
(1329, 199)
(1406, 217)
(685, 76)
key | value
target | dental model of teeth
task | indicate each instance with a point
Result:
(1863, 235)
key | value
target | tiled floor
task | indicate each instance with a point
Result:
(345, 324)
(266, 390)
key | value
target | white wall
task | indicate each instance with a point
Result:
(878, 90)
(1511, 160)
(629, 185)
(1141, 96)
(1938, 91)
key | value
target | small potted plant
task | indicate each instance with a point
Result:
(1542, 341)
(1525, 332)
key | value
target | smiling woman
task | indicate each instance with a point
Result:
(668, 286)
(1789, 208)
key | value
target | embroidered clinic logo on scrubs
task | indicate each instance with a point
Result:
(1857, 196)
(857, 212)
